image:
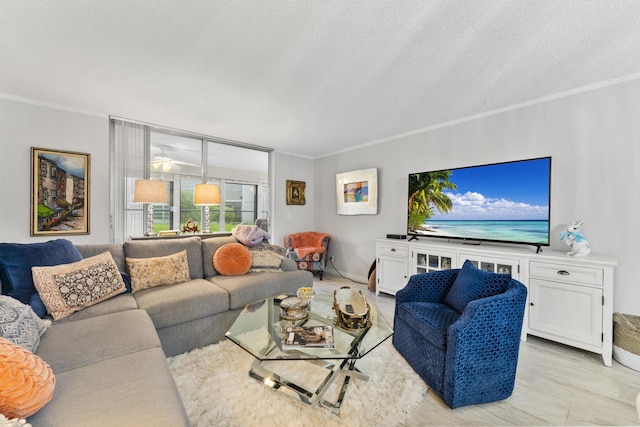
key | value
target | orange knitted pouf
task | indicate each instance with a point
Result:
(26, 381)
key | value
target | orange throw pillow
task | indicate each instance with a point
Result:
(26, 381)
(232, 259)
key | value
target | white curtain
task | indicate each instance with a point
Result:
(128, 160)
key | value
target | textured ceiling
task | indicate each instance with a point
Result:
(310, 77)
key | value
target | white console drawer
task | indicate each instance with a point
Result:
(393, 250)
(567, 273)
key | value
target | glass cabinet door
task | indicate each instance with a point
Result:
(427, 261)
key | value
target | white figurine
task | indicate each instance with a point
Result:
(574, 238)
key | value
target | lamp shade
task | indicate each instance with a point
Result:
(206, 194)
(150, 191)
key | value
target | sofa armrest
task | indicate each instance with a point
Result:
(288, 264)
(427, 287)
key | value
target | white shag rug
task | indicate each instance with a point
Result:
(216, 389)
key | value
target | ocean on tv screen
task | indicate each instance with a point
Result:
(524, 231)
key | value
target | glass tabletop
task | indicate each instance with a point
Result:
(259, 330)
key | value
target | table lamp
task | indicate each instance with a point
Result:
(205, 195)
(150, 191)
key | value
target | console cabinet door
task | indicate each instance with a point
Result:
(425, 260)
(493, 264)
(391, 274)
(391, 267)
(566, 313)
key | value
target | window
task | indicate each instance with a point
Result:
(142, 151)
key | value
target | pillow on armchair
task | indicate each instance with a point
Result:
(472, 284)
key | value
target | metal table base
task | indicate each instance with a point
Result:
(314, 398)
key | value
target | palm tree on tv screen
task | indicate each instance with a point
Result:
(426, 193)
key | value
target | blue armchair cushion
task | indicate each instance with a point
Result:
(429, 319)
(472, 284)
(16, 260)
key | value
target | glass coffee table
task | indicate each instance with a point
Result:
(259, 329)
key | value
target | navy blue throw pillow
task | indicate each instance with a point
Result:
(127, 281)
(16, 260)
(472, 284)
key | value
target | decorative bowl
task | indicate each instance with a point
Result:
(294, 308)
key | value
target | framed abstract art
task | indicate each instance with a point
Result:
(357, 192)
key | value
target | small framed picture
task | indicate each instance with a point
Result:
(59, 192)
(295, 192)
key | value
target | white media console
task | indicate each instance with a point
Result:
(569, 300)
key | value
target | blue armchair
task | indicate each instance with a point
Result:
(460, 331)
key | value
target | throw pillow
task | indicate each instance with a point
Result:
(16, 260)
(26, 381)
(265, 261)
(472, 284)
(158, 271)
(68, 288)
(19, 324)
(232, 259)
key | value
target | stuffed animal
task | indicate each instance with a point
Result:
(574, 238)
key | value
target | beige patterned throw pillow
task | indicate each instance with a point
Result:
(68, 288)
(265, 261)
(158, 271)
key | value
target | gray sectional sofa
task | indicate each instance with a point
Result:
(110, 359)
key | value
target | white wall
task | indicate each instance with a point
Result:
(285, 218)
(593, 137)
(23, 126)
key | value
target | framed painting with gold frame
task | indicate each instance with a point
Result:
(59, 192)
(295, 192)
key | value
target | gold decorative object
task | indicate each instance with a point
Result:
(190, 227)
(352, 309)
(294, 308)
(306, 293)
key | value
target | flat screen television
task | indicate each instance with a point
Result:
(500, 202)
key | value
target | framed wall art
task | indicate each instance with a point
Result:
(59, 192)
(295, 192)
(357, 192)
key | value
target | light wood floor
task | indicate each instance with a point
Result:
(555, 385)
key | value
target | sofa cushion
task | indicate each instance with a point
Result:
(116, 250)
(72, 345)
(472, 284)
(170, 305)
(68, 288)
(164, 247)
(26, 381)
(19, 324)
(233, 259)
(16, 260)
(252, 287)
(158, 271)
(434, 320)
(122, 302)
(135, 389)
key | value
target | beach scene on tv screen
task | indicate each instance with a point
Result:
(506, 202)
